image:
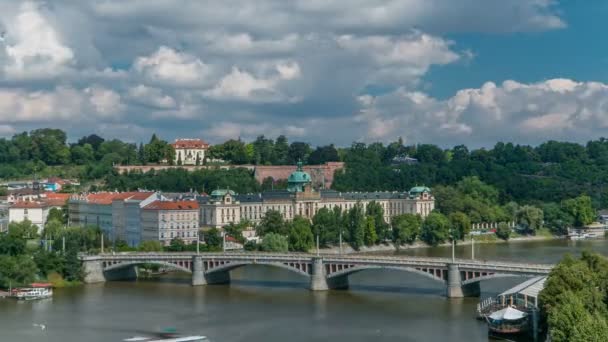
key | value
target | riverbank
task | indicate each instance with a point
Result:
(390, 247)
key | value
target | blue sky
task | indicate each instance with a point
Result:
(576, 52)
(447, 72)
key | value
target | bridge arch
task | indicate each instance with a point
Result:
(234, 265)
(348, 271)
(124, 264)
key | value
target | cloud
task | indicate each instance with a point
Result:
(169, 66)
(32, 47)
(242, 85)
(513, 111)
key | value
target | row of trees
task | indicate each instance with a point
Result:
(575, 299)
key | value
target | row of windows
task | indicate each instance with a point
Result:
(181, 216)
(178, 234)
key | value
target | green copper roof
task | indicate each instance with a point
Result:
(298, 179)
(419, 189)
(222, 193)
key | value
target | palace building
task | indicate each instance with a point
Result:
(223, 207)
(190, 151)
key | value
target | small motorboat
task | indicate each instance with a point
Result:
(167, 335)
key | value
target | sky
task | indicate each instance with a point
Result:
(445, 72)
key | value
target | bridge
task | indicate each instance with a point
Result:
(461, 277)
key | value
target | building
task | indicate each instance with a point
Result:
(36, 209)
(223, 207)
(322, 176)
(117, 214)
(190, 151)
(165, 220)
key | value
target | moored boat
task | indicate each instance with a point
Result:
(35, 291)
(508, 320)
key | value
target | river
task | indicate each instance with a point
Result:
(271, 305)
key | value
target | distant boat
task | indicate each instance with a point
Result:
(35, 291)
(192, 338)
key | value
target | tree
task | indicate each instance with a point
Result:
(24, 229)
(375, 210)
(272, 222)
(574, 299)
(326, 224)
(213, 239)
(273, 242)
(503, 231)
(57, 214)
(150, 246)
(298, 151)
(406, 228)
(82, 155)
(52, 229)
(236, 230)
(530, 218)
(17, 270)
(370, 237)
(435, 229)
(355, 224)
(176, 245)
(581, 209)
(300, 235)
(556, 218)
(323, 154)
(460, 223)
(281, 149)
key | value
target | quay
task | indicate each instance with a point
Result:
(460, 277)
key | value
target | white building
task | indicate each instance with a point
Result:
(36, 212)
(224, 206)
(190, 151)
(165, 220)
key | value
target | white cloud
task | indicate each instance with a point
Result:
(33, 47)
(530, 113)
(105, 101)
(150, 96)
(172, 67)
(242, 85)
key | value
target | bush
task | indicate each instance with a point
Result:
(503, 231)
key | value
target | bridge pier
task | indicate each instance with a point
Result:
(198, 272)
(318, 278)
(93, 272)
(455, 289)
(199, 277)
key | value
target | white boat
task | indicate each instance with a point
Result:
(36, 291)
(193, 338)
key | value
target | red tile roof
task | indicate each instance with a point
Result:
(189, 143)
(108, 197)
(172, 205)
(29, 205)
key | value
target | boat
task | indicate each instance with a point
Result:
(35, 291)
(167, 335)
(508, 321)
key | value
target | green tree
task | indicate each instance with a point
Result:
(273, 242)
(355, 224)
(150, 246)
(281, 149)
(213, 239)
(406, 228)
(503, 231)
(435, 229)
(298, 151)
(326, 224)
(52, 228)
(272, 222)
(460, 223)
(300, 235)
(581, 209)
(370, 237)
(57, 214)
(176, 245)
(236, 230)
(24, 229)
(530, 218)
(17, 270)
(375, 210)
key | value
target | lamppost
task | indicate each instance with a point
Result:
(340, 240)
(472, 247)
(453, 245)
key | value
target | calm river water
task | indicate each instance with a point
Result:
(272, 305)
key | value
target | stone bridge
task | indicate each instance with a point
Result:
(461, 277)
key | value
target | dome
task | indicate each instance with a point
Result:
(298, 179)
(222, 193)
